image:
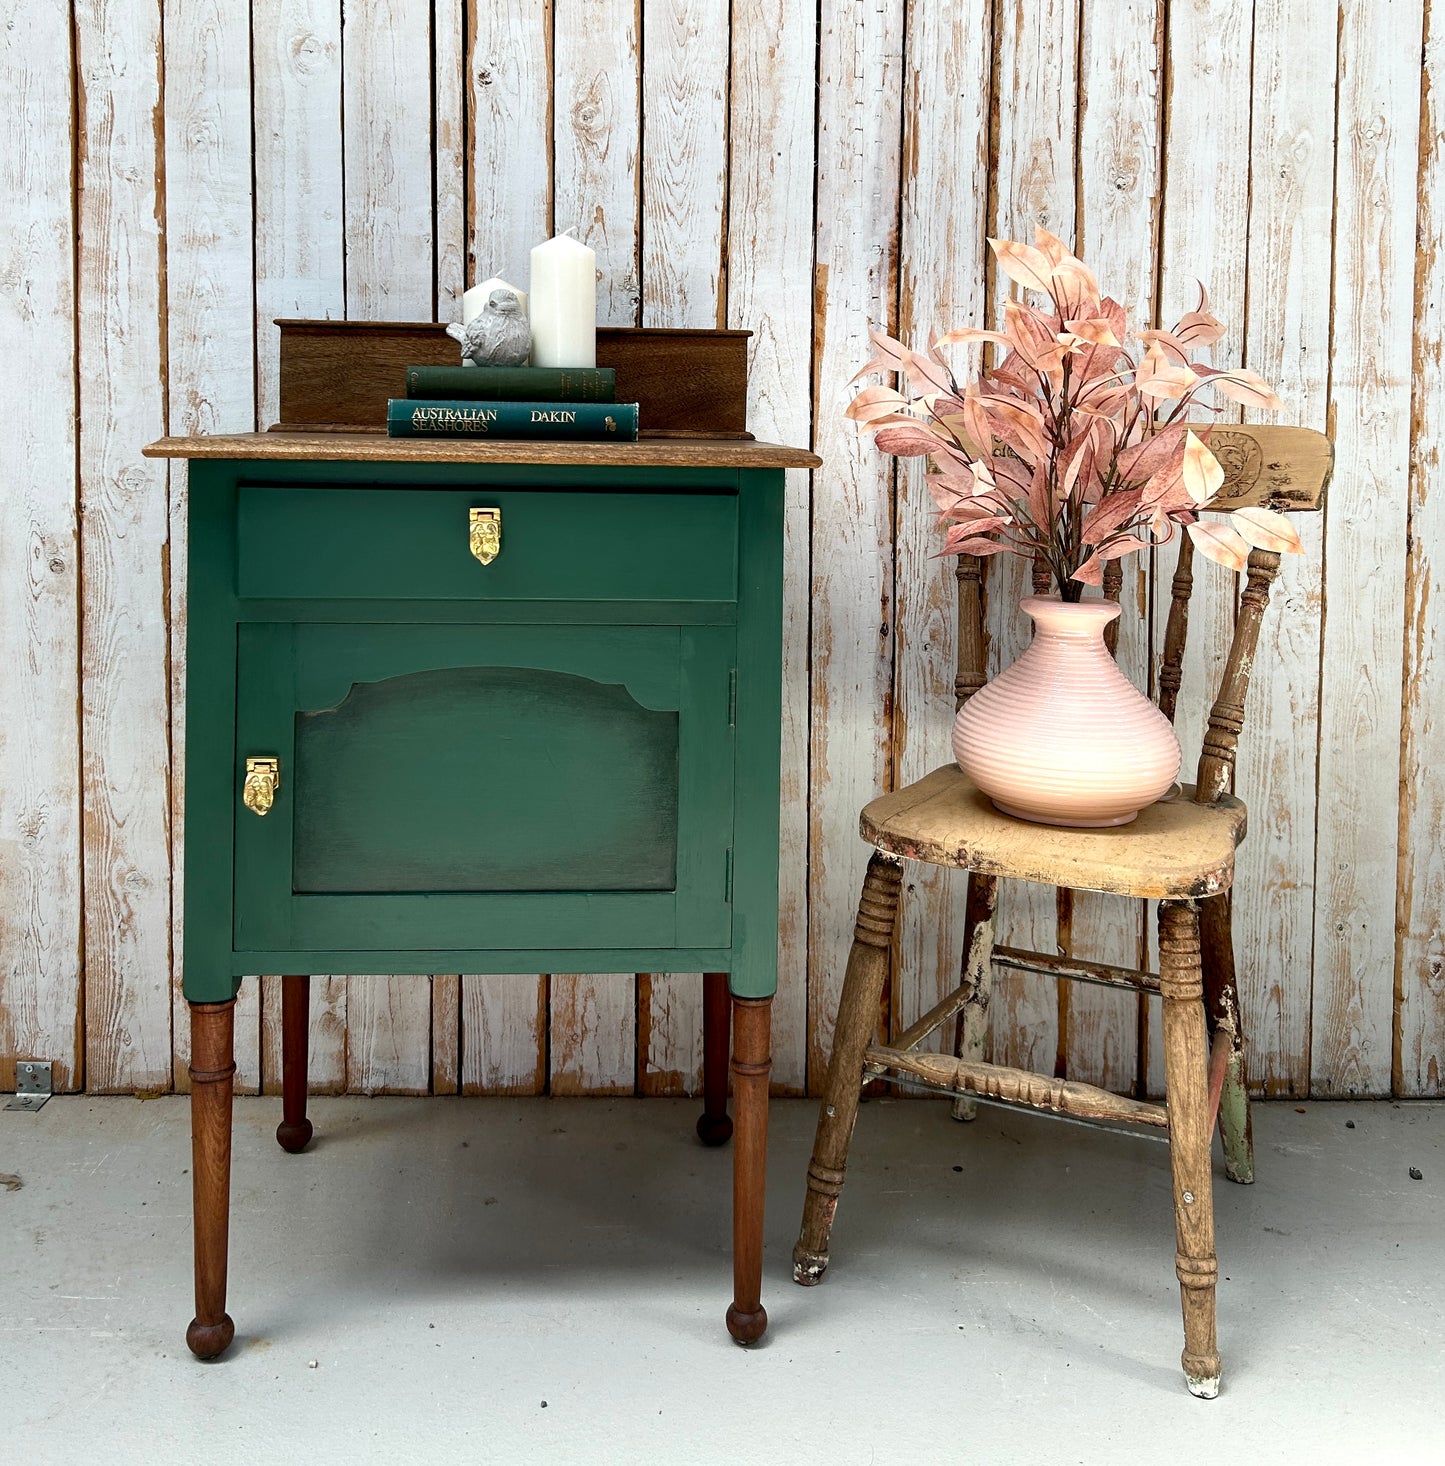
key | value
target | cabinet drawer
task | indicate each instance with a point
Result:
(374, 544)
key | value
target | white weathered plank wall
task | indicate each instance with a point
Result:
(801, 171)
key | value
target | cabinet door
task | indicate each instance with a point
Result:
(511, 786)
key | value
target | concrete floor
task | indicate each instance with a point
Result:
(544, 1281)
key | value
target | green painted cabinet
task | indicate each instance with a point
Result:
(480, 707)
(564, 758)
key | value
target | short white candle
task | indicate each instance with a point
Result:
(564, 304)
(475, 300)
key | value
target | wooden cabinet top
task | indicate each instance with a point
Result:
(374, 448)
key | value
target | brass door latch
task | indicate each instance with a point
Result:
(486, 534)
(263, 778)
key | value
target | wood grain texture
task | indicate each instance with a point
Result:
(855, 286)
(326, 1035)
(504, 1034)
(450, 37)
(597, 137)
(40, 882)
(770, 253)
(1208, 50)
(593, 1033)
(387, 157)
(650, 453)
(509, 97)
(296, 162)
(124, 531)
(1175, 847)
(1121, 74)
(1036, 71)
(684, 203)
(1419, 1060)
(210, 356)
(1376, 165)
(944, 221)
(1287, 337)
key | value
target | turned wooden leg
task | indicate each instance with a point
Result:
(1221, 998)
(857, 1016)
(213, 1072)
(294, 1131)
(752, 1060)
(1186, 1085)
(713, 1125)
(970, 1033)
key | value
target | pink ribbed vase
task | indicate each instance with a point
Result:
(1062, 737)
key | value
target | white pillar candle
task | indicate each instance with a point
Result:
(475, 299)
(564, 304)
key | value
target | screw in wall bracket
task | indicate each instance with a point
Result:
(32, 1085)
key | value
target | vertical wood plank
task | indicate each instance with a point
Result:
(446, 1036)
(450, 91)
(509, 89)
(124, 525)
(684, 161)
(1287, 339)
(770, 253)
(598, 127)
(386, 71)
(210, 346)
(684, 196)
(597, 122)
(944, 222)
(1120, 171)
(1204, 236)
(1037, 66)
(594, 1036)
(40, 885)
(300, 256)
(1376, 166)
(855, 287)
(388, 1035)
(504, 1035)
(509, 209)
(1419, 1066)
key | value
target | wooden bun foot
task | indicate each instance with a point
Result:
(294, 1136)
(714, 1129)
(747, 1328)
(206, 1340)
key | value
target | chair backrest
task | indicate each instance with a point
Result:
(1280, 468)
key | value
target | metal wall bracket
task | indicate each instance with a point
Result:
(32, 1085)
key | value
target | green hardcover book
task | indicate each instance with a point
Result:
(511, 384)
(614, 422)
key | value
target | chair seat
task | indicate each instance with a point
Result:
(1173, 849)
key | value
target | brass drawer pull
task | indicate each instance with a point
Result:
(263, 778)
(486, 534)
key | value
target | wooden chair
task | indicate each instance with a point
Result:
(1179, 852)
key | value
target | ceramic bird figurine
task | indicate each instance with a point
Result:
(499, 336)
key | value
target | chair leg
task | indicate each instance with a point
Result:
(747, 1319)
(294, 1131)
(857, 1017)
(713, 1125)
(1221, 998)
(970, 1033)
(1187, 1087)
(213, 1073)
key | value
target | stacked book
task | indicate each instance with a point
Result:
(559, 403)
